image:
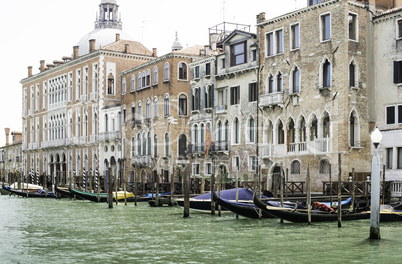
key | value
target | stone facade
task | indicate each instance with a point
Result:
(11, 155)
(156, 113)
(313, 91)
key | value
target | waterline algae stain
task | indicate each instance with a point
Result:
(67, 231)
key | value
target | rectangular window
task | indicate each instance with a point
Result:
(270, 44)
(399, 114)
(325, 27)
(295, 35)
(399, 158)
(389, 153)
(254, 55)
(397, 71)
(197, 72)
(234, 95)
(390, 115)
(252, 163)
(208, 69)
(399, 33)
(352, 26)
(252, 92)
(208, 168)
(238, 54)
(196, 169)
(279, 41)
(223, 62)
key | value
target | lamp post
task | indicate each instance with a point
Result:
(376, 137)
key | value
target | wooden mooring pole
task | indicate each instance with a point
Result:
(186, 212)
(352, 206)
(109, 187)
(339, 191)
(308, 194)
(281, 187)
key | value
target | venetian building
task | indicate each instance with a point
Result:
(156, 112)
(314, 91)
(71, 108)
(11, 155)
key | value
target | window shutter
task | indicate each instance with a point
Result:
(224, 97)
(250, 92)
(205, 98)
(199, 99)
(396, 70)
(211, 95)
(238, 94)
(191, 100)
(231, 95)
(215, 98)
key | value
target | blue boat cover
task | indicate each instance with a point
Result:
(244, 194)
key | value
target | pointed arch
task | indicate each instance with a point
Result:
(354, 129)
(325, 73)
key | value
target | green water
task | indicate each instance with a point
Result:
(67, 231)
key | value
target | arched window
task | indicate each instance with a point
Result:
(139, 112)
(354, 130)
(124, 89)
(302, 130)
(155, 75)
(182, 145)
(144, 144)
(271, 84)
(353, 75)
(132, 147)
(132, 83)
(144, 83)
(295, 167)
(148, 80)
(166, 105)
(149, 144)
(182, 71)
(182, 104)
(132, 114)
(251, 129)
(166, 72)
(280, 133)
(202, 136)
(313, 128)
(110, 84)
(326, 126)
(155, 106)
(139, 144)
(236, 131)
(148, 110)
(326, 74)
(279, 83)
(296, 80)
(139, 81)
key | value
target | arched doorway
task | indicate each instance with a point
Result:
(275, 185)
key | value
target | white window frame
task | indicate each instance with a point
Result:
(250, 162)
(274, 43)
(124, 88)
(194, 167)
(291, 37)
(356, 26)
(206, 166)
(322, 27)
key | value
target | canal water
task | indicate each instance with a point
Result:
(68, 231)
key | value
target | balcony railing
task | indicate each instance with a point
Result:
(320, 145)
(266, 150)
(93, 96)
(271, 99)
(220, 146)
(196, 148)
(396, 189)
(84, 98)
(110, 136)
(93, 138)
(297, 147)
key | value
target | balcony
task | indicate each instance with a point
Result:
(32, 146)
(82, 140)
(266, 150)
(221, 109)
(93, 138)
(396, 189)
(271, 99)
(297, 147)
(219, 146)
(320, 145)
(54, 143)
(141, 161)
(30, 112)
(196, 149)
(110, 136)
(147, 120)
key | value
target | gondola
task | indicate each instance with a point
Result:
(64, 193)
(40, 194)
(250, 210)
(103, 196)
(301, 215)
(389, 214)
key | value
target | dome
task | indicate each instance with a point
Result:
(177, 44)
(103, 37)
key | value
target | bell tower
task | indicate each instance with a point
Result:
(108, 16)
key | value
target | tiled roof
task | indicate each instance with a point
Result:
(135, 47)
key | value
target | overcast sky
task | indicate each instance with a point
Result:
(48, 29)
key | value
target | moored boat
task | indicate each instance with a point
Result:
(40, 194)
(130, 197)
(301, 215)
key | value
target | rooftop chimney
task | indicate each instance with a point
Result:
(7, 136)
(127, 48)
(76, 51)
(29, 71)
(92, 45)
(154, 52)
(42, 66)
(261, 17)
(117, 36)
